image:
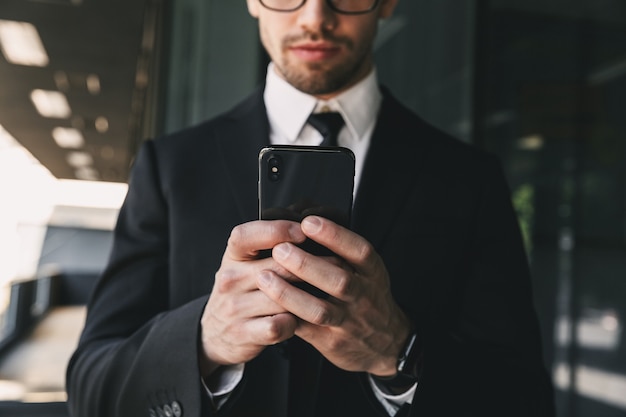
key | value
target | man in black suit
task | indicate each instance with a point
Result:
(429, 310)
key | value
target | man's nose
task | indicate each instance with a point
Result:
(316, 15)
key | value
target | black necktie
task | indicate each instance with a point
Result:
(328, 124)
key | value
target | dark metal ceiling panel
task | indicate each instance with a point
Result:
(82, 38)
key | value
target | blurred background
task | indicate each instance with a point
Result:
(539, 83)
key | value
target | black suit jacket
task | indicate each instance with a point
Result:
(437, 210)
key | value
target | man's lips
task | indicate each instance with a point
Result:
(315, 51)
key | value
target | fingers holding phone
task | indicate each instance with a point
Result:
(360, 326)
(345, 309)
(239, 321)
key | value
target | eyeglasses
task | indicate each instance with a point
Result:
(339, 6)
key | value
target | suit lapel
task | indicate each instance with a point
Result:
(244, 131)
(390, 171)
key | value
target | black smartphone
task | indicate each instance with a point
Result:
(298, 181)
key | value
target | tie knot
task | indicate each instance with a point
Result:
(328, 124)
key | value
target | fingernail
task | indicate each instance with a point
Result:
(264, 279)
(311, 224)
(281, 251)
(295, 233)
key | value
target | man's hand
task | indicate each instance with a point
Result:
(239, 321)
(359, 327)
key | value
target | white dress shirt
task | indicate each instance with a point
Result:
(288, 110)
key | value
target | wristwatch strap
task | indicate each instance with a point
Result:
(408, 365)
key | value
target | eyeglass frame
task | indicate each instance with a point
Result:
(328, 2)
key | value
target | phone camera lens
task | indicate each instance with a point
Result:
(273, 166)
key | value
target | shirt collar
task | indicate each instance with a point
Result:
(288, 108)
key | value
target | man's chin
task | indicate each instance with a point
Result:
(315, 88)
(313, 80)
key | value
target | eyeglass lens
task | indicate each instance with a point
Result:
(342, 6)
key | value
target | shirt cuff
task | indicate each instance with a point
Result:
(224, 381)
(392, 403)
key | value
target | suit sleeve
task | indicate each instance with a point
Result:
(136, 356)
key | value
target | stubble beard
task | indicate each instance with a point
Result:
(323, 79)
